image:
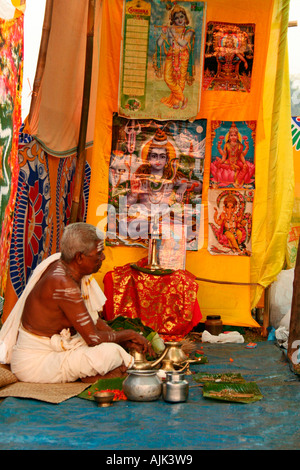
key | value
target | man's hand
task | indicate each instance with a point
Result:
(128, 338)
(141, 344)
(136, 341)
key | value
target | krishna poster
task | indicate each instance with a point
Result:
(161, 59)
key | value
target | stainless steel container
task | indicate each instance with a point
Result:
(175, 389)
(142, 385)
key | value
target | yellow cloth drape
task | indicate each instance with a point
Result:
(267, 103)
(274, 172)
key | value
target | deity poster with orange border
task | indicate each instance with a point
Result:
(230, 222)
(156, 170)
(233, 154)
(161, 62)
(228, 58)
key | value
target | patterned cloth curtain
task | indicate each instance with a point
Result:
(42, 209)
(11, 76)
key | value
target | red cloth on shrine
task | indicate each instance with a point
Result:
(166, 303)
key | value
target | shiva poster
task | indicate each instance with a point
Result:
(228, 58)
(161, 59)
(233, 154)
(230, 222)
(156, 172)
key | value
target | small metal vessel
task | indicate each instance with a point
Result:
(104, 398)
(141, 363)
(175, 389)
(167, 365)
(175, 353)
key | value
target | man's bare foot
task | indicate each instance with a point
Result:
(115, 373)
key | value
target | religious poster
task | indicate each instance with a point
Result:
(228, 58)
(155, 172)
(161, 59)
(230, 221)
(233, 154)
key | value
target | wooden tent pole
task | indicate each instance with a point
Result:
(81, 152)
(266, 314)
(294, 329)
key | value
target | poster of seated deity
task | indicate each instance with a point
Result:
(228, 57)
(155, 172)
(233, 154)
(230, 222)
(161, 61)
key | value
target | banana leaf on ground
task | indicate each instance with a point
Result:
(247, 392)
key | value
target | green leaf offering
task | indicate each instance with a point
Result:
(203, 377)
(247, 392)
(102, 384)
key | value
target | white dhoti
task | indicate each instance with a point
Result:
(62, 358)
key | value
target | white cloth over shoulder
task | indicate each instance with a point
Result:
(92, 294)
(230, 337)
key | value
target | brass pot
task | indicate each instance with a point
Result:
(141, 363)
(167, 365)
(175, 353)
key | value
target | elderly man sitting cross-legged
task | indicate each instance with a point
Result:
(55, 334)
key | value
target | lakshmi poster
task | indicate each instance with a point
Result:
(156, 171)
(229, 52)
(233, 154)
(230, 222)
(161, 59)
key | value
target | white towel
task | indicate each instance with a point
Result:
(230, 337)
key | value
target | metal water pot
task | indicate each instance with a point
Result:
(142, 385)
(175, 389)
